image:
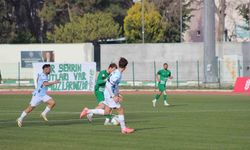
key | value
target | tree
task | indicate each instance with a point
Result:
(173, 12)
(154, 26)
(89, 28)
(60, 12)
(244, 11)
(26, 17)
(7, 24)
(221, 13)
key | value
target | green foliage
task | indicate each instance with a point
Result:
(154, 27)
(243, 10)
(172, 11)
(89, 28)
(7, 25)
(23, 37)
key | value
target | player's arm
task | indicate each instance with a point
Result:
(100, 80)
(46, 83)
(170, 76)
(157, 76)
(109, 85)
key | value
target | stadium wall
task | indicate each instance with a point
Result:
(10, 56)
(185, 60)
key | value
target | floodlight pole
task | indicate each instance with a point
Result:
(209, 55)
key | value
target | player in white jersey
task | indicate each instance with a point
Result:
(112, 98)
(39, 95)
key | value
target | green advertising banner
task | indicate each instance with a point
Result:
(73, 77)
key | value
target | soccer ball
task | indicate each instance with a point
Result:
(115, 121)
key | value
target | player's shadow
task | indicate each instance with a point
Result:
(151, 128)
(12, 123)
(177, 105)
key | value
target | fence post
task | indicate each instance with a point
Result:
(0, 77)
(155, 74)
(177, 76)
(198, 73)
(133, 72)
(219, 69)
(19, 74)
(239, 68)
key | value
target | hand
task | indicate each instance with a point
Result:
(171, 77)
(57, 81)
(116, 98)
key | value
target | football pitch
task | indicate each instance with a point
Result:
(214, 122)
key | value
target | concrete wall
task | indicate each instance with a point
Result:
(10, 56)
(144, 56)
(187, 55)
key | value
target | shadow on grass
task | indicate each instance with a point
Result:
(151, 128)
(177, 105)
(29, 123)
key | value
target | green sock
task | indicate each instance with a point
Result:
(157, 96)
(165, 97)
(109, 116)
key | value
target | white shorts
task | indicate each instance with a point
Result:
(36, 100)
(111, 103)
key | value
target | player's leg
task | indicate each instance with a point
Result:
(121, 119)
(157, 96)
(90, 112)
(165, 98)
(50, 105)
(35, 101)
(100, 99)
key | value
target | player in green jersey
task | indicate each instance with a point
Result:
(161, 77)
(99, 89)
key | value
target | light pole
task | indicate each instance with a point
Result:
(249, 18)
(142, 20)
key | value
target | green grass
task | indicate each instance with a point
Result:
(191, 122)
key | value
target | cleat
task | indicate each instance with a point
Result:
(19, 122)
(90, 117)
(84, 112)
(165, 103)
(154, 102)
(44, 117)
(127, 130)
(108, 124)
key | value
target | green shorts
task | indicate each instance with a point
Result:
(161, 87)
(99, 96)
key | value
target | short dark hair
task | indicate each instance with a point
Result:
(123, 62)
(165, 64)
(46, 66)
(113, 65)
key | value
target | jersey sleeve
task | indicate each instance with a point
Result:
(43, 78)
(114, 78)
(169, 74)
(100, 80)
(159, 72)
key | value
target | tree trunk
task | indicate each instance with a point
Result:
(220, 10)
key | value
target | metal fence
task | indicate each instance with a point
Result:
(142, 74)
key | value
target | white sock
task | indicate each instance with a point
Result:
(46, 110)
(23, 115)
(121, 121)
(97, 111)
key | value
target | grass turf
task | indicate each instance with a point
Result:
(191, 122)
